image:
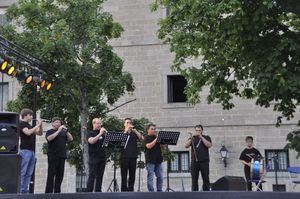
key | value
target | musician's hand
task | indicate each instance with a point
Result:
(39, 123)
(61, 128)
(128, 129)
(102, 131)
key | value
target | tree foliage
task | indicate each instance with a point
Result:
(249, 48)
(71, 38)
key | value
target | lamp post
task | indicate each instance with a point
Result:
(224, 155)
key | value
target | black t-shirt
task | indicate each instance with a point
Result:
(97, 150)
(57, 146)
(27, 141)
(131, 150)
(253, 152)
(200, 149)
(153, 155)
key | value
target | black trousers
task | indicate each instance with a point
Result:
(96, 171)
(128, 166)
(202, 167)
(248, 179)
(56, 168)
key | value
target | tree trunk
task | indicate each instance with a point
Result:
(84, 114)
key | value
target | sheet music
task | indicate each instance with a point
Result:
(168, 137)
(115, 137)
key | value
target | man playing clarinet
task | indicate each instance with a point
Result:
(97, 156)
(200, 157)
(129, 155)
(57, 137)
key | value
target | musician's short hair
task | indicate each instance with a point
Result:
(26, 111)
(199, 126)
(96, 118)
(127, 118)
(249, 138)
(149, 126)
(56, 119)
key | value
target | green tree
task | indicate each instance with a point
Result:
(248, 48)
(71, 38)
(293, 139)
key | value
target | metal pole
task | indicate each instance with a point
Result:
(276, 167)
(139, 189)
(31, 185)
(2, 88)
(168, 182)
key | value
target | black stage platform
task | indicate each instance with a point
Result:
(163, 195)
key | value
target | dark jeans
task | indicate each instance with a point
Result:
(96, 171)
(128, 165)
(202, 167)
(248, 179)
(56, 168)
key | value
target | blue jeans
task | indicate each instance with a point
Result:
(27, 166)
(158, 170)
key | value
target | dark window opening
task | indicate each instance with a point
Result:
(176, 86)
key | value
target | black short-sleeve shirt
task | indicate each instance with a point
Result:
(153, 155)
(131, 150)
(57, 146)
(200, 149)
(97, 150)
(27, 141)
(248, 153)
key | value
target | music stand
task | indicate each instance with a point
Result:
(168, 138)
(116, 141)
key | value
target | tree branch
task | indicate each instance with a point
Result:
(119, 106)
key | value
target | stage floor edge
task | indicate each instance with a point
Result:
(159, 195)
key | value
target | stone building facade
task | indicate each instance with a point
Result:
(149, 61)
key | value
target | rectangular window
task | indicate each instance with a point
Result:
(176, 86)
(283, 159)
(180, 163)
(3, 95)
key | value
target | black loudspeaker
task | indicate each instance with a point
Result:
(230, 183)
(9, 132)
(10, 172)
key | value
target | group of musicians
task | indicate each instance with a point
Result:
(58, 136)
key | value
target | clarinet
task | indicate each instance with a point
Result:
(193, 146)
